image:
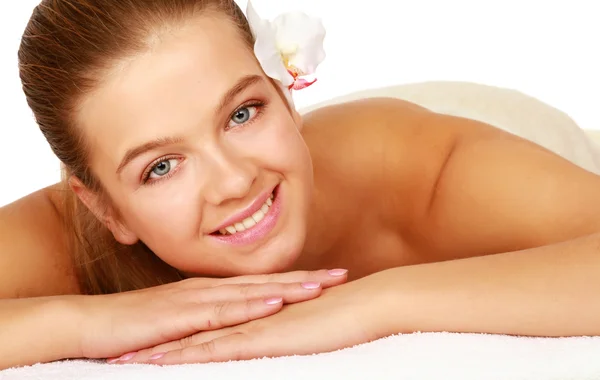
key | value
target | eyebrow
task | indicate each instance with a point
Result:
(240, 86)
(139, 150)
(229, 96)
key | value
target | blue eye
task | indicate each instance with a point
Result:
(161, 169)
(242, 115)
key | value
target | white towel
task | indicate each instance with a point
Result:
(412, 356)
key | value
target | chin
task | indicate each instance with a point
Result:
(276, 258)
(277, 255)
(273, 244)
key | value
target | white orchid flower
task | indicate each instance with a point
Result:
(289, 47)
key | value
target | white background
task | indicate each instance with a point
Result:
(547, 49)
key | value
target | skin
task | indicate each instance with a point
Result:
(433, 215)
(217, 166)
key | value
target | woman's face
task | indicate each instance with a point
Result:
(199, 154)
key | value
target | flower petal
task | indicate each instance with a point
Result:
(301, 84)
(254, 20)
(269, 57)
(265, 47)
(296, 31)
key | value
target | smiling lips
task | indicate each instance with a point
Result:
(254, 223)
(250, 221)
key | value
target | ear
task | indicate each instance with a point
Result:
(103, 212)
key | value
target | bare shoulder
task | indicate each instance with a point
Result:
(453, 187)
(389, 146)
(34, 256)
(361, 132)
(354, 114)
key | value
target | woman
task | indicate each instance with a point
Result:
(185, 160)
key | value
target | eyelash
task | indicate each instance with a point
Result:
(146, 175)
(260, 106)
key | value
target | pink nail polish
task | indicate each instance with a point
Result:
(310, 285)
(126, 357)
(157, 356)
(337, 272)
(273, 301)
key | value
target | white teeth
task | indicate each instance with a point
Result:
(258, 216)
(249, 222)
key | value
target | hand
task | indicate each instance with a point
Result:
(341, 317)
(119, 323)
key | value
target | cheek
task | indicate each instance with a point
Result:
(280, 145)
(168, 214)
(290, 153)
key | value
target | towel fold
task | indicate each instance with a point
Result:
(412, 356)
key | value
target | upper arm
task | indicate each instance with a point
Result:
(497, 192)
(34, 259)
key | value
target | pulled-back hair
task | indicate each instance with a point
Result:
(67, 48)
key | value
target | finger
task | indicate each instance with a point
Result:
(327, 278)
(211, 317)
(231, 347)
(205, 317)
(190, 341)
(188, 283)
(196, 339)
(291, 293)
(143, 356)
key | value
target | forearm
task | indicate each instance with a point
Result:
(35, 330)
(547, 291)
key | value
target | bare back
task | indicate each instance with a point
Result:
(397, 184)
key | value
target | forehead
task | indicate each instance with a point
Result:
(178, 81)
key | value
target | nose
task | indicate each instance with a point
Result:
(231, 177)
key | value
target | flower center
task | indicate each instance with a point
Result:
(287, 53)
(294, 71)
(287, 50)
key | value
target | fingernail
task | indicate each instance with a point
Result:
(126, 357)
(112, 361)
(273, 301)
(337, 272)
(311, 285)
(157, 356)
